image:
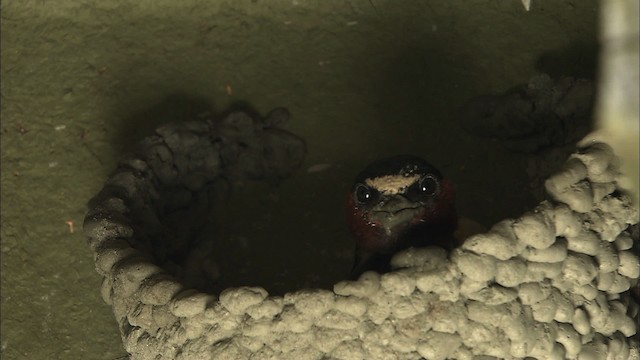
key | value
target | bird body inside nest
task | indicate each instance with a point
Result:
(397, 203)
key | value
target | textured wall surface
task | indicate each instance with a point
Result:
(551, 284)
(81, 81)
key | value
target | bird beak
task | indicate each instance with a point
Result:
(394, 213)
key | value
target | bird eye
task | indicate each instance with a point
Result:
(363, 194)
(429, 185)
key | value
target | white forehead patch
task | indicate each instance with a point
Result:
(392, 184)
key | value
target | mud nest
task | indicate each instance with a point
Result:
(552, 283)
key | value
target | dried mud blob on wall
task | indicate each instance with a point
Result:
(160, 197)
(544, 113)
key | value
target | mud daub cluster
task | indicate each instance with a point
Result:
(544, 113)
(158, 198)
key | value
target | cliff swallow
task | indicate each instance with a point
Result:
(397, 203)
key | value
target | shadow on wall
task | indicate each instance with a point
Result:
(411, 86)
(176, 107)
(579, 59)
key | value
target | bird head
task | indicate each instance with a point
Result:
(396, 203)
